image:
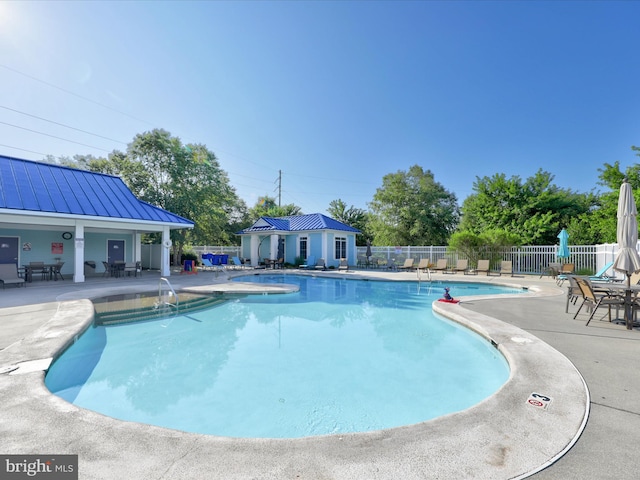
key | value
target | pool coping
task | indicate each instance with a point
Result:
(519, 440)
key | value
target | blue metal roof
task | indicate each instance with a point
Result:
(42, 187)
(297, 223)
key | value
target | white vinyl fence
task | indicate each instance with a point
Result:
(526, 260)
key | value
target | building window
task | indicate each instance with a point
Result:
(341, 248)
(303, 248)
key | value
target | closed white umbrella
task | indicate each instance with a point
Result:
(627, 259)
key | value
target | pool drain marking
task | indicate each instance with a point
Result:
(539, 401)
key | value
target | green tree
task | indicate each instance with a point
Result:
(599, 224)
(411, 208)
(352, 216)
(267, 207)
(184, 179)
(534, 210)
(486, 245)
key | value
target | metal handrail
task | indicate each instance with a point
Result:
(160, 301)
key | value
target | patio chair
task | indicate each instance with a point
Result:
(594, 300)
(108, 269)
(565, 269)
(409, 264)
(55, 271)
(38, 267)
(552, 270)
(9, 275)
(320, 265)
(343, 265)
(573, 292)
(462, 265)
(441, 265)
(483, 266)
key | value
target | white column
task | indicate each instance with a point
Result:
(137, 247)
(273, 250)
(78, 254)
(255, 243)
(325, 251)
(165, 267)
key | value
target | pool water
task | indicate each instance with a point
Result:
(338, 356)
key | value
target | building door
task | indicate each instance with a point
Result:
(115, 251)
(9, 250)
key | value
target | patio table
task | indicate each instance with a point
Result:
(630, 294)
(28, 271)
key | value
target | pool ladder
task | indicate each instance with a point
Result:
(161, 301)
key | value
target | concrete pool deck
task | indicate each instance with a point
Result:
(502, 437)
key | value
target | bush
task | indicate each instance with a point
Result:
(189, 256)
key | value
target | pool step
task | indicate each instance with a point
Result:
(147, 310)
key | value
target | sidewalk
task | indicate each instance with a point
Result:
(606, 355)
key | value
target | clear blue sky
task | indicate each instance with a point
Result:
(336, 94)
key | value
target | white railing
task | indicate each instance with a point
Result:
(526, 259)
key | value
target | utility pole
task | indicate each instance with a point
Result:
(279, 188)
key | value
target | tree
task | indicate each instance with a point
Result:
(486, 245)
(266, 207)
(534, 210)
(184, 179)
(411, 208)
(352, 216)
(599, 224)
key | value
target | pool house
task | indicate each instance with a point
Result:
(299, 236)
(58, 215)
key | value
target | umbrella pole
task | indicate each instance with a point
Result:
(628, 311)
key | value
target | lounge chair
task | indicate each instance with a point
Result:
(343, 265)
(424, 264)
(310, 264)
(462, 265)
(237, 263)
(506, 268)
(320, 265)
(601, 275)
(9, 274)
(441, 265)
(409, 264)
(483, 266)
(207, 265)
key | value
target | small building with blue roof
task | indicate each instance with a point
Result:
(50, 213)
(299, 236)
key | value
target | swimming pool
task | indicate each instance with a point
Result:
(338, 356)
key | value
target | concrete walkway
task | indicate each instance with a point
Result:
(500, 438)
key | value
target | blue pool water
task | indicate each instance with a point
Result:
(339, 356)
